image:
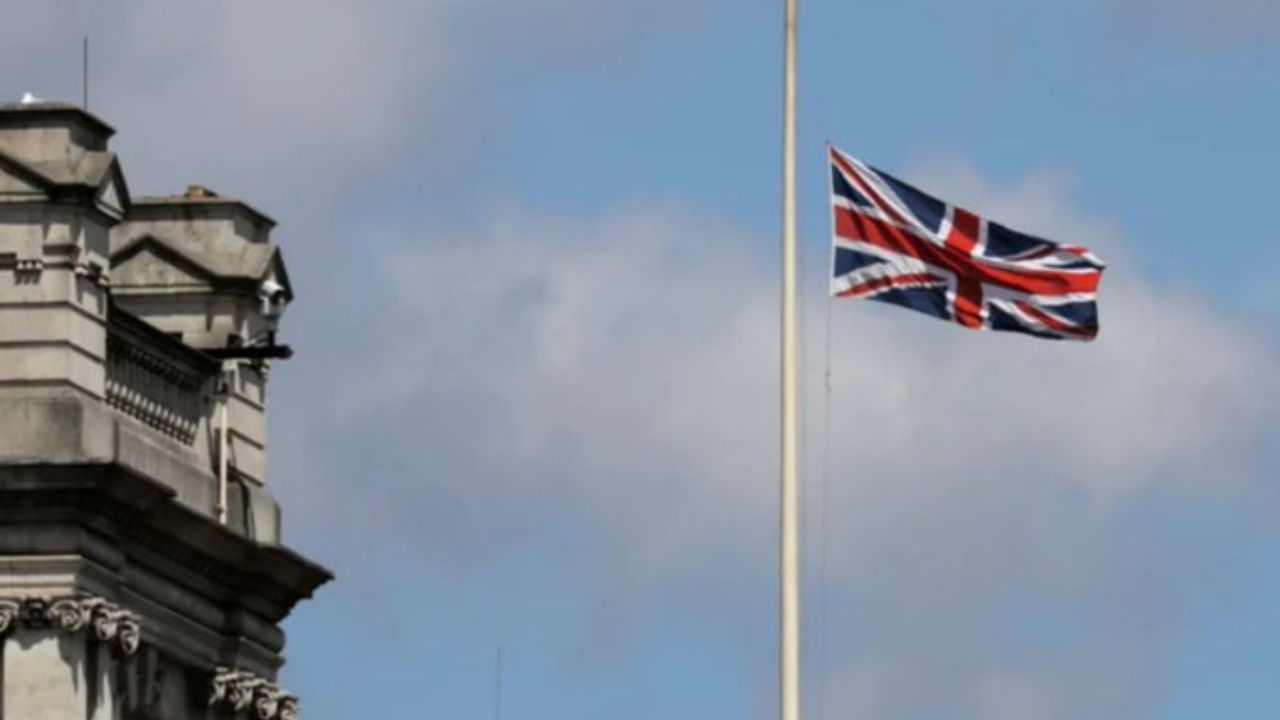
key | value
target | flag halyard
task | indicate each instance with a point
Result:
(897, 244)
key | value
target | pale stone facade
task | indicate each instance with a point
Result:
(141, 571)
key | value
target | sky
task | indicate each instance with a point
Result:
(535, 249)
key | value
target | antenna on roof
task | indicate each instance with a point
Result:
(85, 73)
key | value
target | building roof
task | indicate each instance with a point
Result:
(200, 202)
(249, 262)
(235, 255)
(92, 171)
(29, 113)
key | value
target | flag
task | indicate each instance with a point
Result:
(896, 244)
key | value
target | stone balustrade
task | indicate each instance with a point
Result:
(156, 379)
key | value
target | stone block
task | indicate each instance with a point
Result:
(57, 429)
(145, 452)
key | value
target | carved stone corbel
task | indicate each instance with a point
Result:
(241, 692)
(107, 622)
(73, 614)
(112, 624)
(28, 265)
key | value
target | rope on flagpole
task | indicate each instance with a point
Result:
(825, 472)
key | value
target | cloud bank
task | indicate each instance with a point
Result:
(1004, 513)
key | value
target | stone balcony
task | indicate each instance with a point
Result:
(175, 392)
(157, 418)
(158, 381)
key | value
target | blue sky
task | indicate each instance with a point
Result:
(533, 402)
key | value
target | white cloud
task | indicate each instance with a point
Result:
(291, 102)
(606, 388)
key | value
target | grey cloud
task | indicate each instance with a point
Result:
(1004, 511)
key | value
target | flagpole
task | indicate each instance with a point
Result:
(789, 690)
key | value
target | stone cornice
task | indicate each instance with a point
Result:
(267, 579)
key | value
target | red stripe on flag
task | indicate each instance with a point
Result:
(965, 227)
(968, 303)
(854, 225)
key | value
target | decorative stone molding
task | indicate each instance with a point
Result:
(244, 692)
(105, 621)
(12, 261)
(10, 611)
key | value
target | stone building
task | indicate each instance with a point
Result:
(142, 575)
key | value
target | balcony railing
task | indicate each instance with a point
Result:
(156, 379)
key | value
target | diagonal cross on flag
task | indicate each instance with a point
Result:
(897, 244)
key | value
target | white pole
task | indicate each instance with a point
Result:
(790, 521)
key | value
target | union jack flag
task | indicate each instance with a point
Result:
(895, 244)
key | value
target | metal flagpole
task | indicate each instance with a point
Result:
(789, 693)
